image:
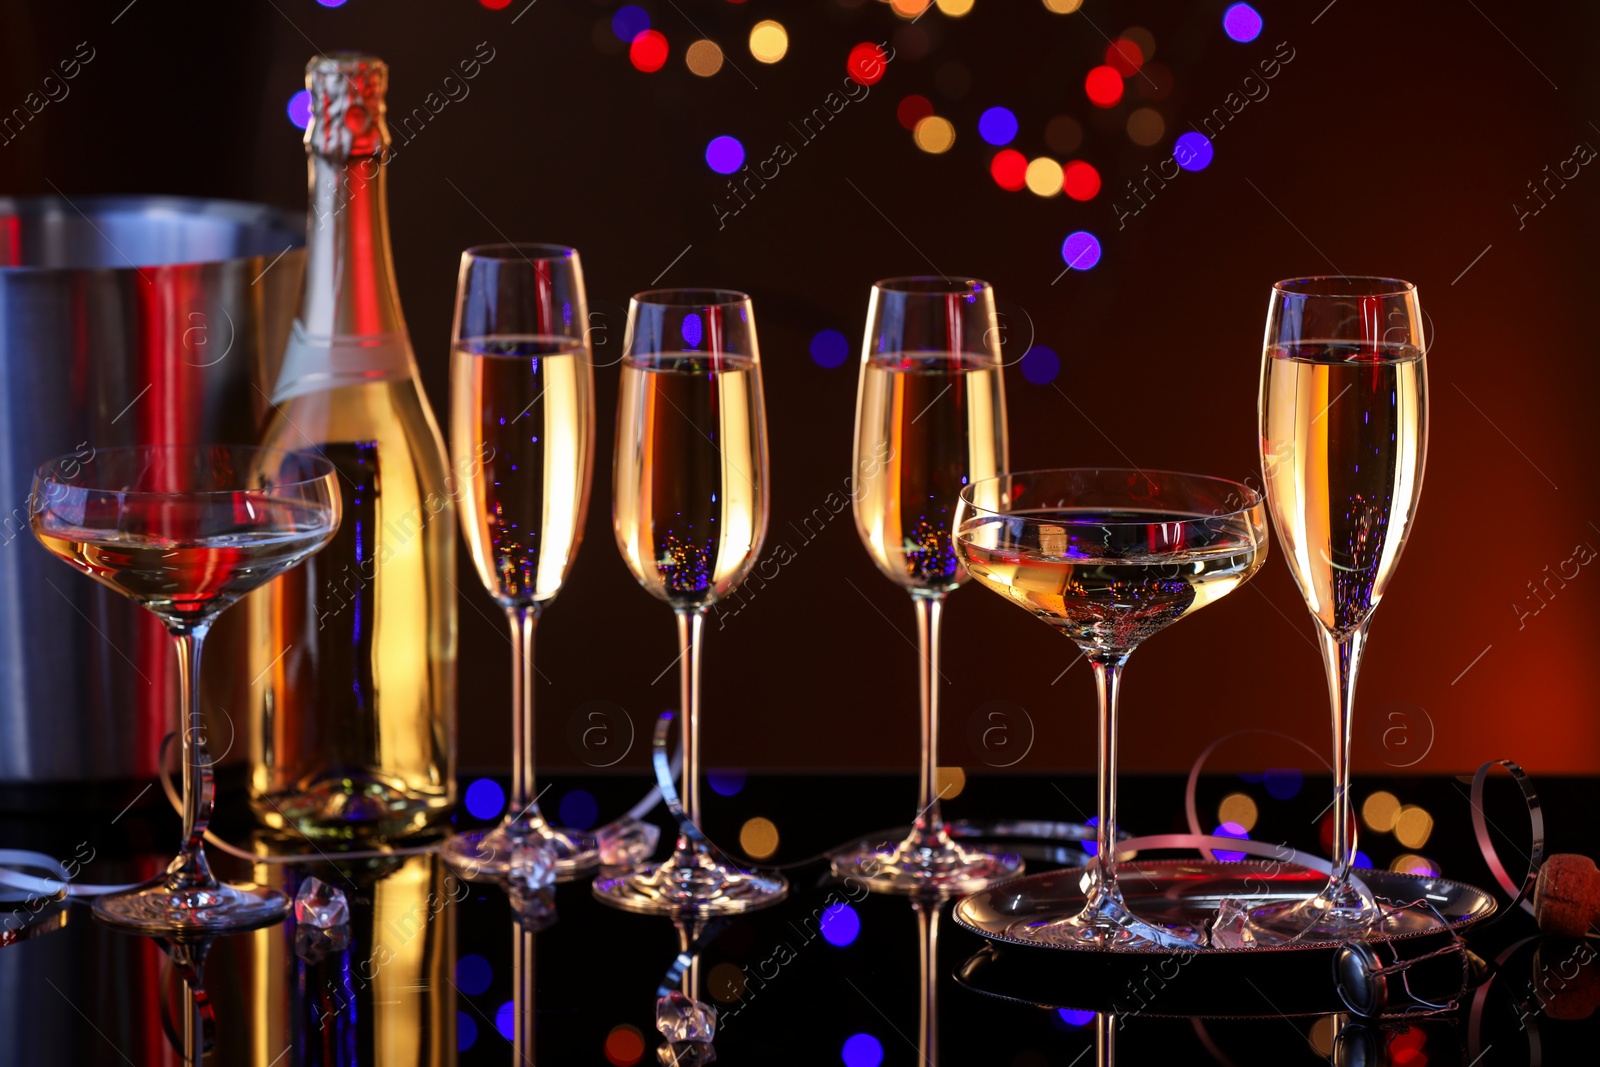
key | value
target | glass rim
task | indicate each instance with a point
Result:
(691, 297)
(932, 285)
(1343, 286)
(1253, 498)
(521, 251)
(47, 472)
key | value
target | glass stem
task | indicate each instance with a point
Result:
(1107, 681)
(691, 627)
(929, 826)
(524, 812)
(190, 870)
(1342, 657)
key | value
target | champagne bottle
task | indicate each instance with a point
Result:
(353, 655)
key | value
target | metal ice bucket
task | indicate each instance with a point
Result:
(123, 320)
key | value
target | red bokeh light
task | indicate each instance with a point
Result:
(1080, 180)
(495, 5)
(648, 52)
(1325, 831)
(912, 110)
(624, 1046)
(1104, 86)
(866, 63)
(1124, 57)
(1010, 169)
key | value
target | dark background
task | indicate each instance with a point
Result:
(1396, 141)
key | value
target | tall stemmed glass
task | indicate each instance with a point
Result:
(930, 418)
(185, 531)
(1110, 557)
(1344, 437)
(522, 442)
(690, 512)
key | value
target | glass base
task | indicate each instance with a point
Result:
(692, 882)
(1106, 922)
(353, 807)
(1341, 912)
(486, 855)
(209, 909)
(926, 865)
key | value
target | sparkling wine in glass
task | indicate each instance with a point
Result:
(930, 419)
(1344, 438)
(1109, 558)
(185, 531)
(690, 513)
(522, 444)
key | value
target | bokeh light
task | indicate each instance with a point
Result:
(726, 982)
(861, 1050)
(1411, 863)
(1074, 1016)
(492, 5)
(473, 975)
(998, 126)
(909, 9)
(934, 134)
(1192, 151)
(1043, 176)
(1080, 180)
(466, 1031)
(727, 781)
(1125, 57)
(840, 925)
(629, 22)
(485, 799)
(579, 809)
(758, 837)
(648, 52)
(624, 1046)
(1063, 7)
(1009, 169)
(912, 110)
(724, 154)
(948, 782)
(1321, 1035)
(866, 63)
(1092, 845)
(769, 41)
(829, 348)
(1242, 22)
(1063, 134)
(1143, 39)
(505, 1020)
(1239, 809)
(300, 108)
(691, 330)
(1104, 86)
(1155, 82)
(1380, 810)
(1081, 250)
(1283, 783)
(1145, 126)
(1413, 826)
(1360, 859)
(954, 8)
(1040, 365)
(340, 3)
(1235, 831)
(704, 58)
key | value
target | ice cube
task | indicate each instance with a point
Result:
(314, 944)
(533, 910)
(1231, 926)
(533, 864)
(686, 1054)
(627, 842)
(320, 905)
(683, 1019)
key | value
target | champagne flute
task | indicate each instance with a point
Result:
(1344, 437)
(522, 442)
(690, 513)
(930, 418)
(185, 531)
(1110, 557)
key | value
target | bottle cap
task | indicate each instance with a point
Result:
(347, 90)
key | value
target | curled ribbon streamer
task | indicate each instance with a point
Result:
(1189, 809)
(1480, 828)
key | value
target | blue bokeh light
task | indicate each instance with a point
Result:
(485, 799)
(473, 975)
(1242, 22)
(862, 1050)
(998, 126)
(1074, 1016)
(300, 108)
(331, 3)
(579, 810)
(629, 22)
(693, 333)
(505, 1020)
(1235, 831)
(726, 781)
(1192, 151)
(1081, 250)
(1040, 365)
(1361, 859)
(840, 925)
(829, 348)
(1092, 846)
(724, 154)
(1283, 783)
(466, 1031)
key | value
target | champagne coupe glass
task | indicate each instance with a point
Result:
(1109, 557)
(1344, 437)
(690, 512)
(930, 418)
(522, 444)
(185, 531)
